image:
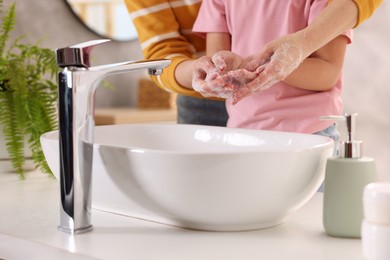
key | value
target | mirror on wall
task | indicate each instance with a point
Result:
(107, 18)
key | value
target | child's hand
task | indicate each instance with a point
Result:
(239, 80)
(208, 80)
(210, 76)
(226, 61)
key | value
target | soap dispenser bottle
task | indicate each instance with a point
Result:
(345, 178)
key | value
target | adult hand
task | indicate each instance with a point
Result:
(277, 60)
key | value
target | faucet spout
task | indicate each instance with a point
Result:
(154, 67)
(77, 83)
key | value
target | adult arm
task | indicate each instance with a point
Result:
(282, 56)
(163, 36)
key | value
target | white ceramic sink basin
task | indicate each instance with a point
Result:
(202, 177)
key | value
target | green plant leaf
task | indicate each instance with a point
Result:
(28, 94)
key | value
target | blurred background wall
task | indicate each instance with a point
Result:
(54, 22)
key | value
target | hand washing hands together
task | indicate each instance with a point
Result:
(227, 75)
(211, 76)
(278, 59)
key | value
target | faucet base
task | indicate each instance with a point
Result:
(75, 231)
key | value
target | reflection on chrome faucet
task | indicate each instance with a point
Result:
(77, 84)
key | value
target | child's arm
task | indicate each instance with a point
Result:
(216, 42)
(321, 70)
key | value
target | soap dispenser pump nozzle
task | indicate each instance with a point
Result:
(350, 148)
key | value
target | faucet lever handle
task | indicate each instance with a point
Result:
(77, 55)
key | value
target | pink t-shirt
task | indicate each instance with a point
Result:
(252, 24)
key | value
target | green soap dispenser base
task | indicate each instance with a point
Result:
(345, 179)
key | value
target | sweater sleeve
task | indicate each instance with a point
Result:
(164, 32)
(366, 9)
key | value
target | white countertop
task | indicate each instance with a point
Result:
(29, 215)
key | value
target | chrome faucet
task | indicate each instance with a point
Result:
(77, 84)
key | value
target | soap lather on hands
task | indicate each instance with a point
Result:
(212, 76)
(221, 75)
(227, 75)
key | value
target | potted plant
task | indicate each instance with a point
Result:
(28, 94)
